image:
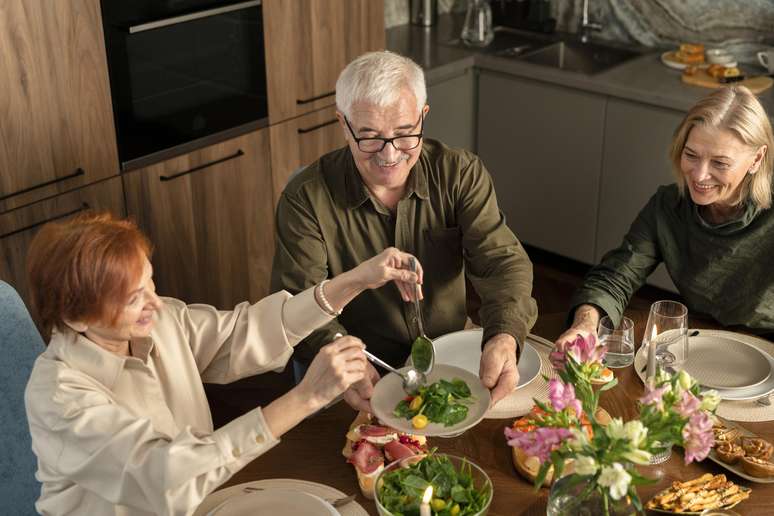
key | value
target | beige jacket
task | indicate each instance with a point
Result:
(133, 435)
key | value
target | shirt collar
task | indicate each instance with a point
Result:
(357, 192)
(82, 354)
(749, 213)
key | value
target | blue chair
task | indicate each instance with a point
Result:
(20, 343)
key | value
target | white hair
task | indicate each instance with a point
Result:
(379, 78)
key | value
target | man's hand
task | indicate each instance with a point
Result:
(498, 369)
(358, 396)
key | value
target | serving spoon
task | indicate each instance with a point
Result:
(422, 350)
(412, 379)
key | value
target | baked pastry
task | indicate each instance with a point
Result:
(691, 48)
(757, 448)
(724, 434)
(705, 492)
(729, 452)
(756, 467)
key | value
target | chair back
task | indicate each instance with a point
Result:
(20, 344)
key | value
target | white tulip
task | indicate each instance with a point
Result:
(585, 465)
(615, 429)
(637, 456)
(578, 440)
(685, 380)
(616, 479)
(710, 400)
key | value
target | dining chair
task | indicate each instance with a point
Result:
(20, 344)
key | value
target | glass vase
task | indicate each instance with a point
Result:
(573, 495)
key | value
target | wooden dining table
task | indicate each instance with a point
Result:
(312, 450)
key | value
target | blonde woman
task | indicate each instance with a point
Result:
(713, 228)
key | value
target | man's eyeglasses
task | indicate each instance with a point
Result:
(404, 142)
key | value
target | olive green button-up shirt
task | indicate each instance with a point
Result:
(328, 223)
(722, 270)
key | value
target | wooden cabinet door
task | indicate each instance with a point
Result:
(299, 142)
(56, 119)
(543, 146)
(308, 43)
(209, 215)
(17, 227)
(634, 165)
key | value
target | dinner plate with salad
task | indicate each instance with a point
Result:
(452, 401)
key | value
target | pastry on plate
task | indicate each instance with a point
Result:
(729, 452)
(757, 447)
(757, 467)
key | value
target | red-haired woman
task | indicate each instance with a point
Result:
(118, 415)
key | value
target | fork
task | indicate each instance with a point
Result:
(335, 502)
(764, 400)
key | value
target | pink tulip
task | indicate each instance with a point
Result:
(653, 396)
(562, 395)
(538, 443)
(583, 349)
(687, 405)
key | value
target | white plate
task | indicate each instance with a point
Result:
(463, 349)
(669, 58)
(389, 391)
(726, 363)
(275, 501)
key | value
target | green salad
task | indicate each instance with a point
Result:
(400, 491)
(445, 402)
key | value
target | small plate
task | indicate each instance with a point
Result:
(726, 363)
(275, 501)
(669, 58)
(389, 391)
(463, 349)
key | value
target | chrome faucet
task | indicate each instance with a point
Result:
(587, 26)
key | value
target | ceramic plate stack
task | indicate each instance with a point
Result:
(737, 370)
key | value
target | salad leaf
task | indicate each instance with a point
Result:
(444, 402)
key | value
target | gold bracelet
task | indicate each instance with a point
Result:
(324, 303)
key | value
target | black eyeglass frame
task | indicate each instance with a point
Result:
(385, 141)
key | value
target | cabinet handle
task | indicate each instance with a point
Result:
(166, 22)
(200, 167)
(312, 99)
(302, 130)
(78, 172)
(84, 206)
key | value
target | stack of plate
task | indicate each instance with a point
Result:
(737, 370)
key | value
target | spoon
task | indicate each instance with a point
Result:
(412, 379)
(422, 350)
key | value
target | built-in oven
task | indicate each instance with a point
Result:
(183, 74)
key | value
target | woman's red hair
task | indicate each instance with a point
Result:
(83, 269)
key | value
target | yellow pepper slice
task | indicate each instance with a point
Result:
(419, 421)
(416, 403)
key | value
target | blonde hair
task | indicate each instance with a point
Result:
(378, 78)
(737, 110)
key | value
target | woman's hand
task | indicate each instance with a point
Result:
(390, 265)
(335, 368)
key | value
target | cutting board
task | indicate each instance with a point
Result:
(701, 78)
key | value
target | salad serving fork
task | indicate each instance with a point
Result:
(335, 502)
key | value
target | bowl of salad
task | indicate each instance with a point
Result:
(459, 487)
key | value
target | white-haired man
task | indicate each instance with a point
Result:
(391, 187)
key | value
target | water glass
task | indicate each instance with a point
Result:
(667, 329)
(619, 341)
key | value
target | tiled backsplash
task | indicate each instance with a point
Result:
(741, 26)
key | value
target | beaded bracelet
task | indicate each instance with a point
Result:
(326, 306)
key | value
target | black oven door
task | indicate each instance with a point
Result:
(183, 74)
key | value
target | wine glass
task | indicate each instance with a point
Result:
(619, 341)
(667, 330)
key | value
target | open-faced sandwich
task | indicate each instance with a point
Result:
(370, 445)
(528, 466)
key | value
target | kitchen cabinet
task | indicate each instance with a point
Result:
(298, 142)
(56, 121)
(19, 226)
(209, 214)
(308, 43)
(542, 144)
(452, 116)
(635, 163)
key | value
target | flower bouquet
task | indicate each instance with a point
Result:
(604, 479)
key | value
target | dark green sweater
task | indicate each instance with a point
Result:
(724, 270)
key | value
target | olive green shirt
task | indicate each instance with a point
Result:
(328, 223)
(724, 270)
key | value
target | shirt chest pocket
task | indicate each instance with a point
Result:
(442, 256)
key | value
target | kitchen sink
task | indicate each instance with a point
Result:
(509, 43)
(587, 58)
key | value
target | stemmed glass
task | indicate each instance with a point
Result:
(667, 329)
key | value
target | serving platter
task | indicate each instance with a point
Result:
(388, 392)
(735, 468)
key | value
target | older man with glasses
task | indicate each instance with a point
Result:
(393, 188)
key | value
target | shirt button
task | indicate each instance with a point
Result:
(236, 452)
(260, 438)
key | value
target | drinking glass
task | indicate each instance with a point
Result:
(619, 341)
(667, 329)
